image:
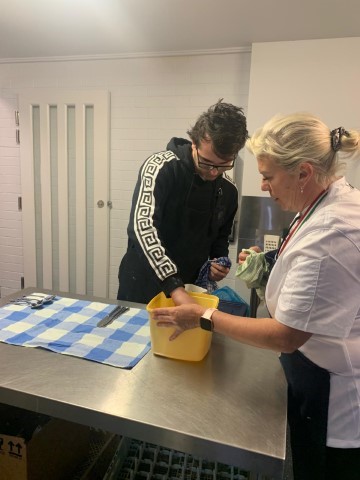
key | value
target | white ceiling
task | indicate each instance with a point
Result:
(55, 28)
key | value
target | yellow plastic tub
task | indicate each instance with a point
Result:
(191, 345)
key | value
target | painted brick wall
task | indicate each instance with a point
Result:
(152, 99)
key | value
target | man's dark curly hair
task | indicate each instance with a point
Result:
(224, 125)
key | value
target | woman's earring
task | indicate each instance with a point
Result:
(302, 189)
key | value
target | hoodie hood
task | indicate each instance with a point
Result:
(181, 148)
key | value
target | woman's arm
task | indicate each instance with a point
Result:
(260, 332)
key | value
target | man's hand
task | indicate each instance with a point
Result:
(180, 296)
(217, 272)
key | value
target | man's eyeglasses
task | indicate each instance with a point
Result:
(208, 166)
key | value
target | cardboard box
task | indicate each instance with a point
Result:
(38, 447)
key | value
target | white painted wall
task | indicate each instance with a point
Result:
(318, 76)
(152, 99)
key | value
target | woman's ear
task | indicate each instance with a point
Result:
(306, 171)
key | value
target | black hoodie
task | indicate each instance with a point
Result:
(177, 222)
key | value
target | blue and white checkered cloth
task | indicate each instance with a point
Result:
(203, 279)
(68, 326)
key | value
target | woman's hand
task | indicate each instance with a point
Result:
(183, 317)
(243, 255)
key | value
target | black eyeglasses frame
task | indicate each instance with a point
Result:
(209, 166)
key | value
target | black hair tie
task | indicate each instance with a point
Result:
(336, 135)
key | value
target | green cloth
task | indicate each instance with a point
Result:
(254, 271)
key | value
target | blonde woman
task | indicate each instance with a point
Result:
(312, 293)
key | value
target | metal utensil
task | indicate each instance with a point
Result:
(115, 313)
(33, 300)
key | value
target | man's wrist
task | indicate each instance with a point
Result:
(172, 283)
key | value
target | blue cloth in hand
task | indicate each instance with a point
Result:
(203, 279)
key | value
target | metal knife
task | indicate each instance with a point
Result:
(115, 312)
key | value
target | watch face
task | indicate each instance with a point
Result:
(206, 324)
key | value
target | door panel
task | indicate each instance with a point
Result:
(64, 172)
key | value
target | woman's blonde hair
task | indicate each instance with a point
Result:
(301, 137)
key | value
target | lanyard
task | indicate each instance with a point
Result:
(299, 220)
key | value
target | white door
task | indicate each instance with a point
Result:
(64, 150)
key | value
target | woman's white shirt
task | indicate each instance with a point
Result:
(315, 287)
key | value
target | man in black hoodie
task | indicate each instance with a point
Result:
(183, 209)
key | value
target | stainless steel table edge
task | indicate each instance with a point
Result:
(174, 438)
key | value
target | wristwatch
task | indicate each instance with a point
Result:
(205, 320)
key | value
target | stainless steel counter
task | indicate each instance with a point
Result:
(230, 407)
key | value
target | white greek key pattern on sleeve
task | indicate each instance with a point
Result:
(145, 230)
